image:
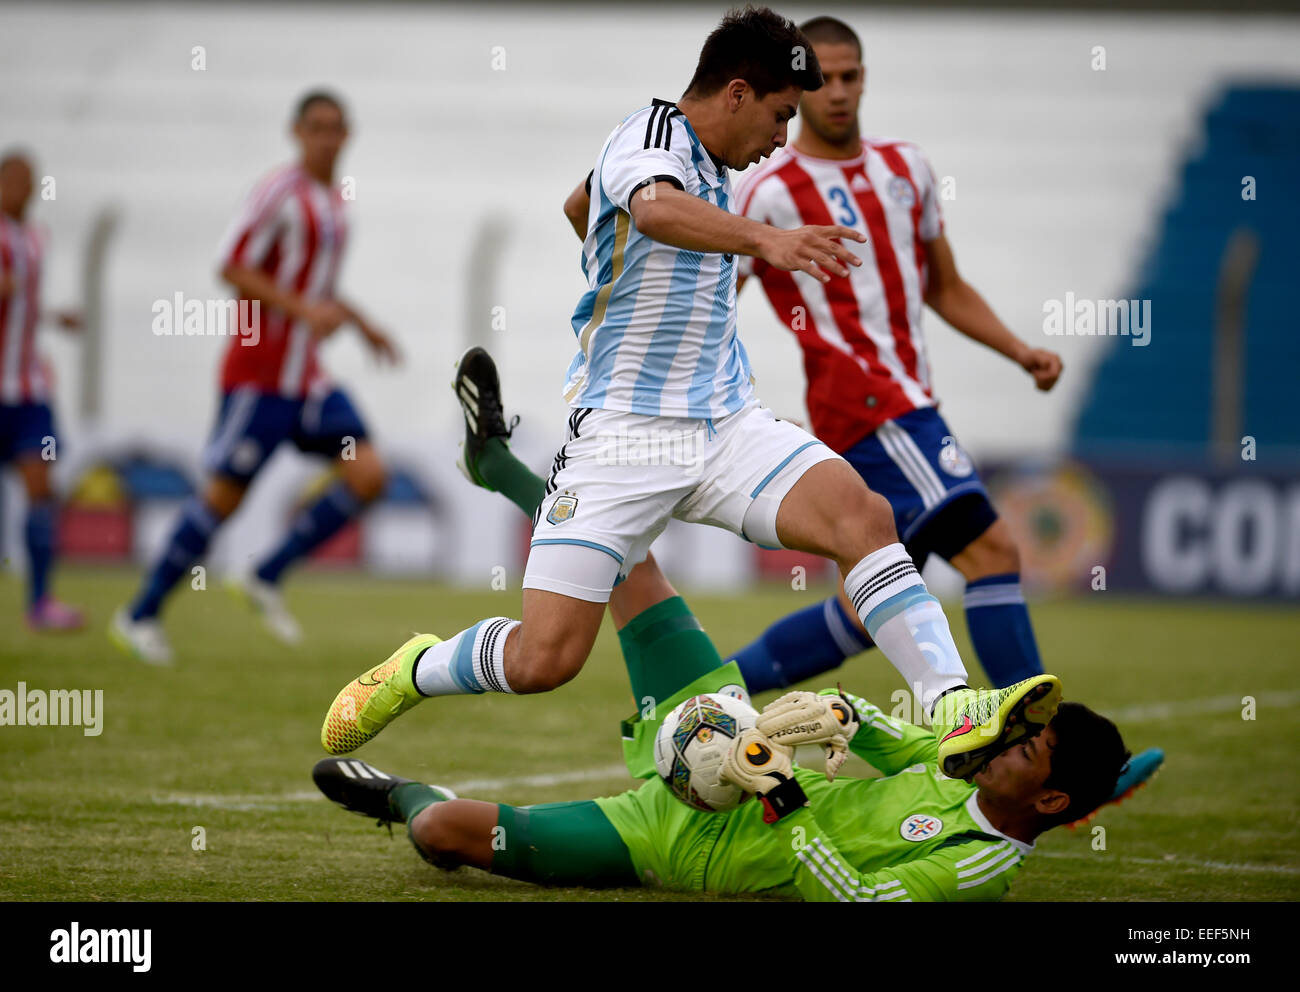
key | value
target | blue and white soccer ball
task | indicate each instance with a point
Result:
(692, 742)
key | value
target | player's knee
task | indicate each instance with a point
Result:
(39, 489)
(366, 477)
(998, 553)
(223, 496)
(866, 524)
(370, 485)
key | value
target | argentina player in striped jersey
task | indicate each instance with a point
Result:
(665, 422)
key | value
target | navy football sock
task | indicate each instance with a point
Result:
(313, 527)
(187, 544)
(39, 537)
(807, 643)
(1000, 629)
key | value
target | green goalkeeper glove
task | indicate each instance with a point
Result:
(808, 718)
(766, 770)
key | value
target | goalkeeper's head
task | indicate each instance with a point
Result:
(1059, 776)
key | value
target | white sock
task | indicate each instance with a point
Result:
(473, 661)
(906, 622)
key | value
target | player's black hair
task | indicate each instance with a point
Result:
(310, 99)
(1086, 761)
(831, 31)
(759, 46)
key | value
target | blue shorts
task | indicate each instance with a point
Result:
(251, 424)
(939, 501)
(24, 428)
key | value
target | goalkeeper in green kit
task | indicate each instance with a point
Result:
(915, 835)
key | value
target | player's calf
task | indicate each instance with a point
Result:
(459, 832)
(540, 667)
(364, 473)
(552, 643)
(992, 553)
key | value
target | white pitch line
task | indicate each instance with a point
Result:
(1177, 863)
(235, 802)
(600, 773)
(1187, 707)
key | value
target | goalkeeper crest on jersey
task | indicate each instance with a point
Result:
(913, 835)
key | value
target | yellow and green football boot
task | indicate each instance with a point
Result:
(374, 699)
(974, 726)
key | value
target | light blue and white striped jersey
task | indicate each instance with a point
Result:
(657, 327)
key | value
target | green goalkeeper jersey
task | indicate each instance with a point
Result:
(914, 836)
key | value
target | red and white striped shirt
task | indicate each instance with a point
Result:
(291, 228)
(864, 354)
(23, 378)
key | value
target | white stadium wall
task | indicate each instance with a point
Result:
(1059, 173)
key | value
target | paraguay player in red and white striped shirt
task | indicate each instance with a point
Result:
(27, 435)
(870, 394)
(282, 256)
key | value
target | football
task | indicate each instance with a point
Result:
(691, 744)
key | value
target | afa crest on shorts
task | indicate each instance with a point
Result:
(920, 826)
(902, 192)
(562, 509)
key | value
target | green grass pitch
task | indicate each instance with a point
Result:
(226, 739)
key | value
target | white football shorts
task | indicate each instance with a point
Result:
(620, 477)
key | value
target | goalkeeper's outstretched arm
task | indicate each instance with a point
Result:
(886, 743)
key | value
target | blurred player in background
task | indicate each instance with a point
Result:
(282, 253)
(869, 388)
(27, 436)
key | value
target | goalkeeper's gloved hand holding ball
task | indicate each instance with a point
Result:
(809, 718)
(765, 769)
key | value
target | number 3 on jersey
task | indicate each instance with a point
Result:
(841, 197)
